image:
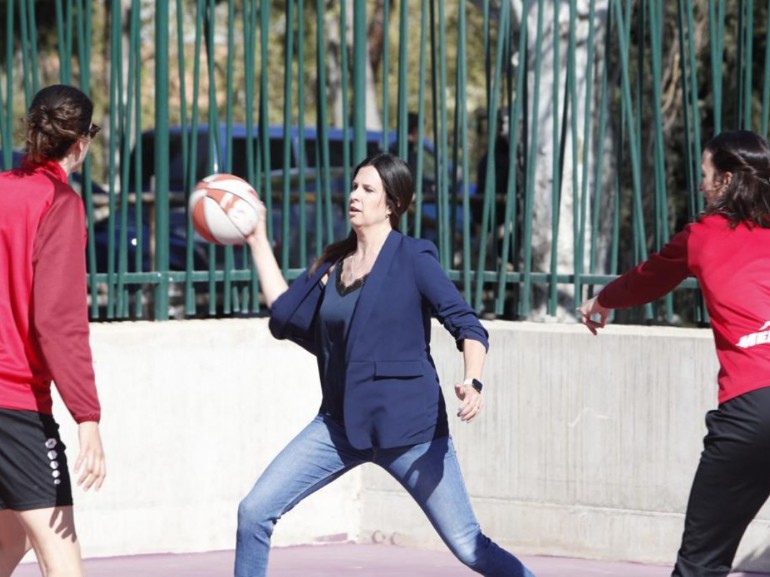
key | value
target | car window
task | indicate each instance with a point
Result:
(176, 166)
(240, 158)
(276, 155)
(205, 165)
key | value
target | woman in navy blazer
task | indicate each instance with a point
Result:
(364, 310)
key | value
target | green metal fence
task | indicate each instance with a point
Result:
(558, 143)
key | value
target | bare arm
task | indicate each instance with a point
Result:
(90, 465)
(270, 277)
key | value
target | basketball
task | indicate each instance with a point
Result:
(224, 208)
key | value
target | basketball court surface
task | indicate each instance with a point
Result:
(345, 560)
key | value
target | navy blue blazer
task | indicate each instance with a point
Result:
(392, 395)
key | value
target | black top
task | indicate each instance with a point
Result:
(333, 322)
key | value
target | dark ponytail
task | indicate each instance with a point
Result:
(58, 116)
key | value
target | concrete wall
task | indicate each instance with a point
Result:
(192, 412)
(586, 447)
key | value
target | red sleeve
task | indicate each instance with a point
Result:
(59, 305)
(652, 279)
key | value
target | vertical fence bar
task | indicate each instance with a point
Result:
(34, 73)
(691, 115)
(288, 90)
(64, 25)
(191, 135)
(532, 155)
(556, 160)
(189, 262)
(766, 77)
(135, 43)
(122, 128)
(489, 193)
(701, 314)
(443, 222)
(716, 31)
(6, 107)
(418, 200)
(345, 93)
(264, 118)
(511, 237)
(434, 114)
(746, 63)
(214, 141)
(161, 161)
(359, 80)
(500, 214)
(596, 205)
(632, 137)
(461, 122)
(229, 292)
(302, 160)
(115, 279)
(249, 52)
(574, 136)
(116, 131)
(659, 159)
(385, 74)
(323, 234)
(26, 58)
(587, 150)
(402, 98)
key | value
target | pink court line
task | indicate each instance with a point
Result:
(347, 559)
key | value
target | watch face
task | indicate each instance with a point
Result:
(476, 384)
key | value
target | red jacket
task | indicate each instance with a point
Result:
(44, 331)
(733, 269)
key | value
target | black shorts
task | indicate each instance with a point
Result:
(33, 466)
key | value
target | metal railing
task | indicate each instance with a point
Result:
(558, 142)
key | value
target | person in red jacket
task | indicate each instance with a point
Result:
(44, 338)
(728, 251)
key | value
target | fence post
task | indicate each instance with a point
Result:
(160, 205)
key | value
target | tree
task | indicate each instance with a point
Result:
(558, 130)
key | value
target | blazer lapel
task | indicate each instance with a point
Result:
(370, 296)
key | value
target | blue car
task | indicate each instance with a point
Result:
(221, 152)
(294, 165)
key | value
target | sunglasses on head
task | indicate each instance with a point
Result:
(93, 130)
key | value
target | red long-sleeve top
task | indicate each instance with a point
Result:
(732, 266)
(44, 332)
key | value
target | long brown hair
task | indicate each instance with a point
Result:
(746, 198)
(58, 116)
(399, 189)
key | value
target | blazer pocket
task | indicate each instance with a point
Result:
(400, 369)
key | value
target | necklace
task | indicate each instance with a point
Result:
(354, 273)
(364, 267)
(344, 289)
(351, 271)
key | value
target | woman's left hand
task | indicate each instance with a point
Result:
(471, 404)
(89, 465)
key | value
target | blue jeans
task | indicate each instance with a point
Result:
(321, 453)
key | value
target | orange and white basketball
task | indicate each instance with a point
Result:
(224, 208)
